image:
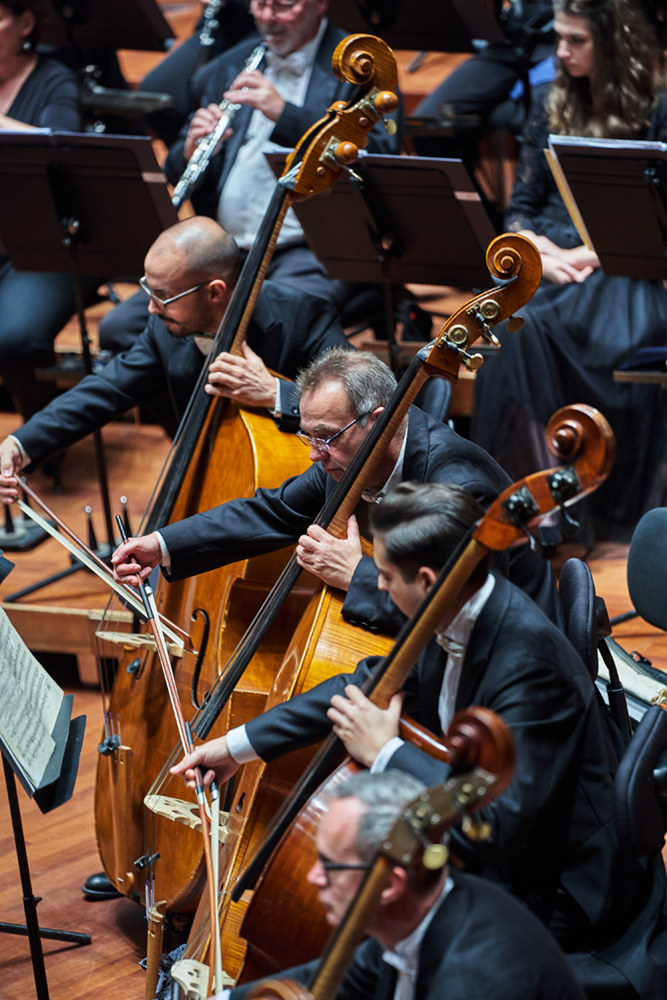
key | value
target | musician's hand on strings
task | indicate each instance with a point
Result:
(362, 726)
(332, 560)
(202, 125)
(11, 463)
(213, 758)
(252, 88)
(134, 560)
(245, 379)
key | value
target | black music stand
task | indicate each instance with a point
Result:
(620, 190)
(54, 789)
(443, 26)
(87, 205)
(107, 24)
(408, 219)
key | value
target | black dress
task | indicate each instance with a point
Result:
(35, 306)
(574, 336)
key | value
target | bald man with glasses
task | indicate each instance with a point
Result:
(191, 271)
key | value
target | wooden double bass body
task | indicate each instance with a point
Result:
(240, 451)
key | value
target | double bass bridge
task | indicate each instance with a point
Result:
(181, 811)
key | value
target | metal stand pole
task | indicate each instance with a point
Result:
(31, 928)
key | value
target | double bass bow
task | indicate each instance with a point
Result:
(578, 434)
(481, 755)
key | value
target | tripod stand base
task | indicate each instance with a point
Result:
(26, 535)
(47, 932)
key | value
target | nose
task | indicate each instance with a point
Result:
(317, 875)
(563, 50)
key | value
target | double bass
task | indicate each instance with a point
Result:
(145, 854)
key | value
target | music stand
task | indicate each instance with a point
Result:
(52, 788)
(619, 188)
(87, 205)
(412, 219)
(122, 24)
(445, 26)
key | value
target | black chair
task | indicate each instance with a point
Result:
(587, 626)
(647, 568)
(640, 814)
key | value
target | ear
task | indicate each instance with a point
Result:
(396, 888)
(426, 577)
(372, 417)
(217, 290)
(27, 22)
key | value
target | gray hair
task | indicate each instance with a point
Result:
(367, 381)
(385, 796)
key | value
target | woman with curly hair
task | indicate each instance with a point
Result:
(582, 324)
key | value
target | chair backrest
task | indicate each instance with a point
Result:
(577, 596)
(647, 568)
(640, 786)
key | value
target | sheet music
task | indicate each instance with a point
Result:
(29, 703)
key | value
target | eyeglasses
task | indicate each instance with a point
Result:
(335, 866)
(278, 6)
(322, 445)
(165, 302)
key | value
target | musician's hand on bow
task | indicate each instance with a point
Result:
(362, 726)
(213, 758)
(202, 124)
(332, 560)
(11, 463)
(252, 88)
(134, 560)
(245, 379)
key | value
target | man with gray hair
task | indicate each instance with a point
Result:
(451, 936)
(342, 395)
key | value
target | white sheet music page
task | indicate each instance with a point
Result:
(29, 703)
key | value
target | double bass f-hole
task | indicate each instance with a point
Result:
(194, 696)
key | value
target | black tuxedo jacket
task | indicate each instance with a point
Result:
(480, 945)
(553, 840)
(275, 518)
(288, 328)
(210, 83)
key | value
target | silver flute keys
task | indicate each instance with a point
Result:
(199, 160)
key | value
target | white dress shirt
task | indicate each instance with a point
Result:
(455, 642)
(405, 955)
(250, 183)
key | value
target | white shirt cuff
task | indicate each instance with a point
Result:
(277, 411)
(385, 754)
(240, 746)
(223, 995)
(165, 558)
(16, 441)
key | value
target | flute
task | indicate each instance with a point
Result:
(199, 160)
